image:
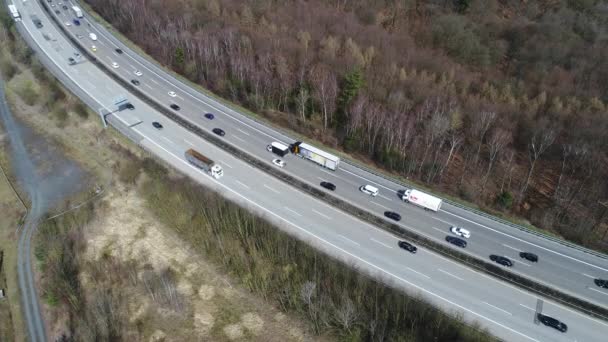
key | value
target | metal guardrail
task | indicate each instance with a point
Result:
(484, 214)
(364, 168)
(478, 264)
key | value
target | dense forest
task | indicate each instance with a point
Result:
(503, 103)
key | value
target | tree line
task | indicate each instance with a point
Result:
(501, 103)
(333, 296)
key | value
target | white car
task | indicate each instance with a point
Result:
(93, 48)
(138, 73)
(93, 36)
(269, 148)
(370, 190)
(278, 162)
(460, 232)
(67, 23)
(114, 65)
(172, 94)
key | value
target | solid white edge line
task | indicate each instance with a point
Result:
(527, 242)
(372, 265)
(341, 249)
(214, 104)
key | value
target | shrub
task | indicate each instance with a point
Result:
(505, 200)
(8, 69)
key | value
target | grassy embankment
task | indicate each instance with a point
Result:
(11, 214)
(97, 295)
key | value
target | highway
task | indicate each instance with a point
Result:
(508, 312)
(571, 270)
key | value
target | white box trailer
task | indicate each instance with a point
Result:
(419, 198)
(77, 11)
(204, 163)
(318, 156)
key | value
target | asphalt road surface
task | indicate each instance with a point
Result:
(569, 269)
(508, 312)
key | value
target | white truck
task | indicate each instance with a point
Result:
(314, 154)
(278, 148)
(14, 12)
(204, 163)
(77, 11)
(419, 198)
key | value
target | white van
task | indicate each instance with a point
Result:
(370, 190)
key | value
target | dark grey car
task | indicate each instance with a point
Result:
(456, 241)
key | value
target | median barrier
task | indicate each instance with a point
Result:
(491, 269)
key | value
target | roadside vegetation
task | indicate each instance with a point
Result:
(288, 272)
(12, 211)
(499, 103)
(107, 270)
(160, 257)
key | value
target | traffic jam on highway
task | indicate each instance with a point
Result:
(457, 236)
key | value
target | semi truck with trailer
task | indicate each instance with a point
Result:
(77, 11)
(419, 198)
(314, 154)
(204, 163)
(278, 148)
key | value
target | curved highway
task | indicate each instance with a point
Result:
(569, 269)
(506, 311)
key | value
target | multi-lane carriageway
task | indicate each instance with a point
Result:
(504, 309)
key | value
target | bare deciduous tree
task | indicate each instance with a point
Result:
(325, 91)
(345, 314)
(455, 140)
(542, 137)
(498, 140)
(479, 127)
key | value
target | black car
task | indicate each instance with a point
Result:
(456, 241)
(209, 116)
(219, 131)
(408, 246)
(552, 322)
(529, 256)
(174, 106)
(119, 51)
(57, 12)
(129, 106)
(392, 215)
(65, 7)
(135, 82)
(601, 283)
(157, 125)
(328, 186)
(76, 22)
(501, 260)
